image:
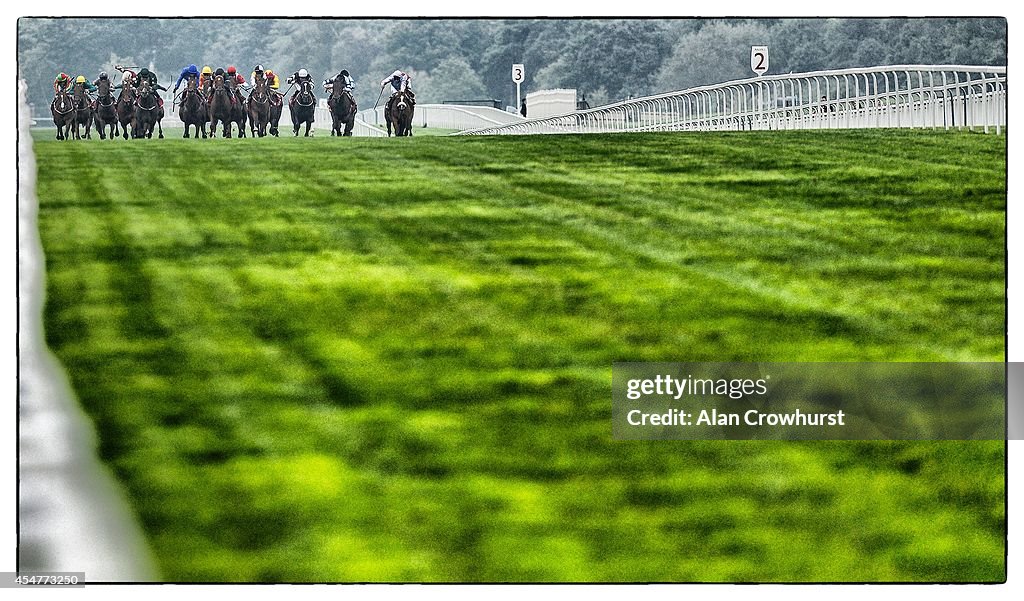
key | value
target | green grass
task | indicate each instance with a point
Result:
(374, 359)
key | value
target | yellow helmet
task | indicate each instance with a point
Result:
(80, 79)
(207, 70)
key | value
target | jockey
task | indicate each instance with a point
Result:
(207, 74)
(147, 75)
(86, 84)
(273, 80)
(274, 83)
(62, 83)
(298, 77)
(399, 81)
(257, 74)
(103, 77)
(234, 75)
(127, 77)
(350, 84)
(189, 72)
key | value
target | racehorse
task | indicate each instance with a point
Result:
(148, 112)
(83, 112)
(193, 110)
(125, 108)
(63, 110)
(343, 108)
(258, 106)
(220, 107)
(106, 112)
(276, 106)
(238, 112)
(398, 113)
(303, 107)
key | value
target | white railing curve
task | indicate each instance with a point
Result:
(902, 96)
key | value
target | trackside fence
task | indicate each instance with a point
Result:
(901, 96)
(448, 116)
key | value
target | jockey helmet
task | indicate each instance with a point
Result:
(344, 72)
(207, 70)
(231, 70)
(80, 79)
(303, 73)
(270, 74)
(220, 71)
(63, 76)
(103, 74)
(144, 71)
(258, 69)
(193, 69)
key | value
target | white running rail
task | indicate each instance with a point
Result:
(448, 116)
(904, 96)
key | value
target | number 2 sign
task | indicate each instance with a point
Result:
(759, 59)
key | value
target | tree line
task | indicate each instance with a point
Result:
(459, 59)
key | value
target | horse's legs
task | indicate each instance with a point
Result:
(203, 125)
(309, 124)
(227, 129)
(161, 129)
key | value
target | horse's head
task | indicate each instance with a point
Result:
(104, 88)
(146, 90)
(306, 88)
(403, 102)
(62, 102)
(127, 94)
(192, 85)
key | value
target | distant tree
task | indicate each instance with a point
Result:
(719, 51)
(453, 79)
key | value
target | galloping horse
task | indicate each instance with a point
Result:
(192, 109)
(106, 112)
(125, 109)
(221, 100)
(343, 108)
(258, 106)
(148, 112)
(276, 106)
(303, 107)
(63, 110)
(83, 112)
(398, 113)
(238, 112)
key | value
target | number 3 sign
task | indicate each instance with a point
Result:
(759, 59)
(518, 73)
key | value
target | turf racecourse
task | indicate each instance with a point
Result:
(389, 360)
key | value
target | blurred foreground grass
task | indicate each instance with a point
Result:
(390, 360)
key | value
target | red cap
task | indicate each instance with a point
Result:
(231, 69)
